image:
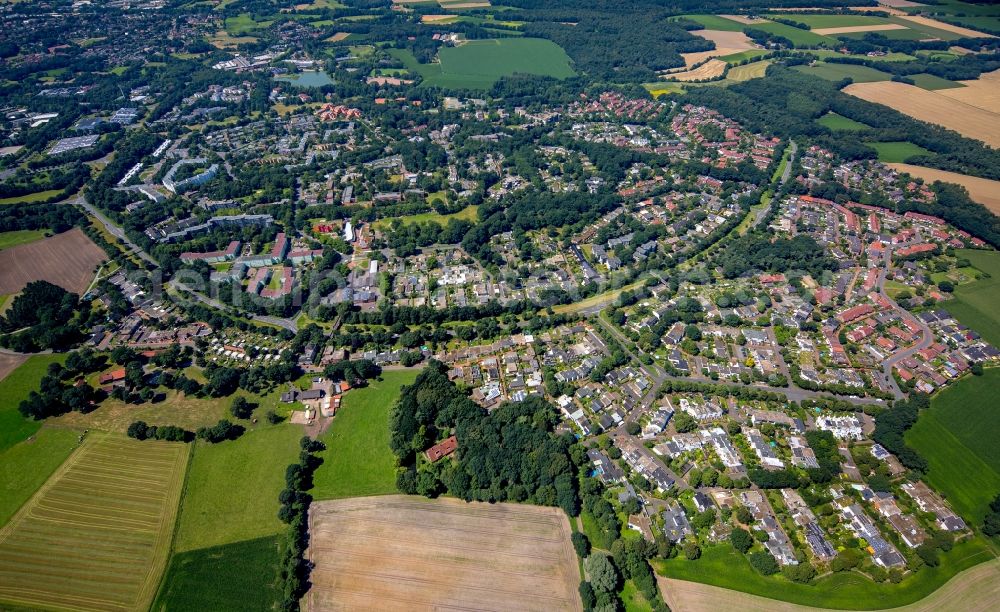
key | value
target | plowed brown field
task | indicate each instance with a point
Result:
(67, 260)
(401, 552)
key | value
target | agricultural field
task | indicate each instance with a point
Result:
(27, 465)
(715, 22)
(420, 553)
(726, 44)
(711, 69)
(722, 566)
(897, 151)
(107, 515)
(479, 63)
(933, 107)
(799, 38)
(231, 491)
(358, 460)
(983, 92)
(839, 123)
(933, 83)
(977, 588)
(68, 260)
(754, 70)
(244, 24)
(975, 304)
(929, 25)
(957, 435)
(14, 387)
(839, 72)
(984, 191)
(233, 577)
(12, 239)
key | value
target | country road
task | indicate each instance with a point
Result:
(113, 229)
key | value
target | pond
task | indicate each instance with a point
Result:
(307, 78)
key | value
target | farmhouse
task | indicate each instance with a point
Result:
(113, 377)
(441, 449)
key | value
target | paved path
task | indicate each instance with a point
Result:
(113, 229)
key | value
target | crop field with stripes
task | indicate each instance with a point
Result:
(97, 534)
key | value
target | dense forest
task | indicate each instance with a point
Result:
(509, 454)
(757, 251)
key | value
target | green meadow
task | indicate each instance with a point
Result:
(357, 460)
(840, 123)
(839, 72)
(721, 565)
(13, 427)
(896, 151)
(958, 436)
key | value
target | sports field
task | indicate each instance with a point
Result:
(839, 123)
(897, 151)
(413, 553)
(722, 566)
(357, 460)
(938, 107)
(231, 492)
(97, 534)
(68, 260)
(958, 436)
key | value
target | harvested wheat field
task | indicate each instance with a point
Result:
(401, 552)
(933, 107)
(709, 70)
(984, 191)
(975, 590)
(983, 92)
(96, 536)
(947, 27)
(67, 259)
(900, 3)
(726, 43)
(437, 18)
(861, 28)
(339, 36)
(741, 19)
